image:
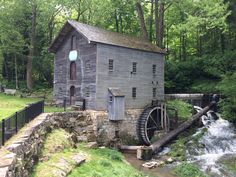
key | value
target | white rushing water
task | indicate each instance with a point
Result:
(218, 141)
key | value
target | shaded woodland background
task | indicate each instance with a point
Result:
(199, 35)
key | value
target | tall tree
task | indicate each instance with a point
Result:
(31, 47)
(142, 20)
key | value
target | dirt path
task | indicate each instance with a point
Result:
(157, 172)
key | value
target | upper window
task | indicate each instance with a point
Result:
(87, 66)
(134, 92)
(73, 43)
(134, 70)
(154, 69)
(111, 65)
(72, 70)
(110, 99)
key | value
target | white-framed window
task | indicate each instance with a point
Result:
(134, 92)
(111, 65)
(154, 70)
(134, 67)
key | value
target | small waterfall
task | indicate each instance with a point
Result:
(217, 142)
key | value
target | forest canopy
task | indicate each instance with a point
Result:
(199, 36)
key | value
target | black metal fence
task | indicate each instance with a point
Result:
(11, 125)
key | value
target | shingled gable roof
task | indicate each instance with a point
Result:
(99, 35)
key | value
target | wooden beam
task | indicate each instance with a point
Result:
(172, 134)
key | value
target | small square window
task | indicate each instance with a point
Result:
(73, 42)
(87, 92)
(154, 92)
(110, 98)
(134, 92)
(134, 69)
(154, 70)
(111, 65)
(87, 66)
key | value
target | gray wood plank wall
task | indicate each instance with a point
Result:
(94, 77)
(122, 78)
(85, 67)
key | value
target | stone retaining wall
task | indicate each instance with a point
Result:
(21, 152)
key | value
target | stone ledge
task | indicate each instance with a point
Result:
(21, 151)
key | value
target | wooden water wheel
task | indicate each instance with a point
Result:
(150, 125)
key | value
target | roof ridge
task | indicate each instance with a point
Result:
(101, 35)
(106, 30)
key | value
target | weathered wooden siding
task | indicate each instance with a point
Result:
(85, 67)
(122, 78)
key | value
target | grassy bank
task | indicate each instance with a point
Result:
(100, 162)
(10, 104)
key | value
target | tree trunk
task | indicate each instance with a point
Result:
(16, 75)
(222, 42)
(78, 11)
(151, 21)
(199, 43)
(172, 134)
(156, 20)
(121, 23)
(117, 21)
(160, 27)
(6, 69)
(142, 21)
(180, 46)
(31, 49)
(184, 52)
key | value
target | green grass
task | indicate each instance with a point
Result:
(57, 145)
(11, 104)
(100, 162)
(187, 170)
(230, 164)
(56, 141)
(184, 109)
(105, 163)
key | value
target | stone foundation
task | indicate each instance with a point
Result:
(21, 152)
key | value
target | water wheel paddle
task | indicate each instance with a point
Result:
(149, 125)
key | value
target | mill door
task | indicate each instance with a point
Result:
(72, 95)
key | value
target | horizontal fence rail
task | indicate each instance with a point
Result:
(11, 125)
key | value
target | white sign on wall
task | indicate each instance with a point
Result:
(73, 55)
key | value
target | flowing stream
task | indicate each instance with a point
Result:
(217, 143)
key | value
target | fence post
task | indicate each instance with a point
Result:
(43, 106)
(84, 105)
(3, 132)
(16, 122)
(26, 115)
(64, 103)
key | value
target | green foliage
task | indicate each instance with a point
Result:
(228, 105)
(187, 170)
(184, 109)
(178, 149)
(185, 141)
(230, 164)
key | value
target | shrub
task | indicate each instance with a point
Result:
(187, 170)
